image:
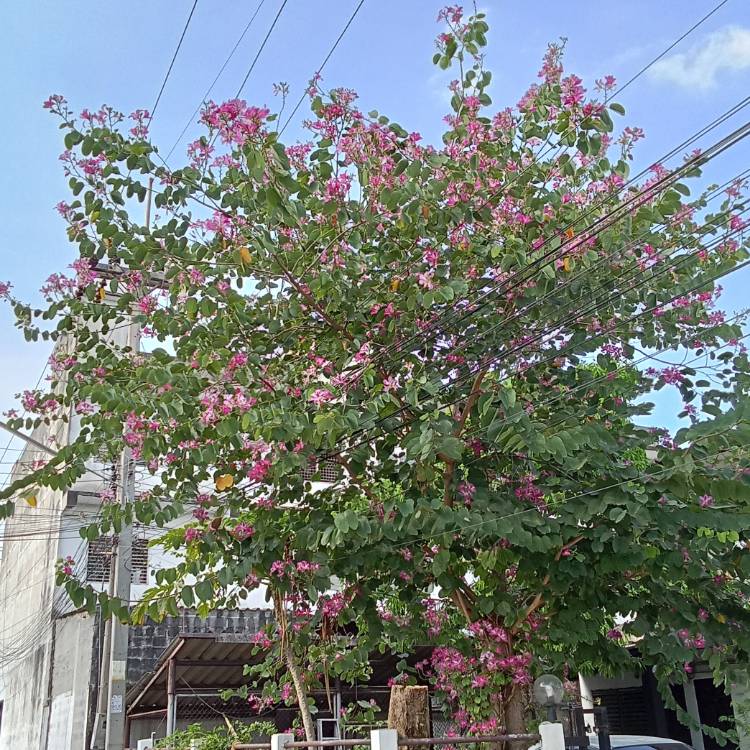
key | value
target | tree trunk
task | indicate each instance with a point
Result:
(409, 711)
(514, 716)
(301, 690)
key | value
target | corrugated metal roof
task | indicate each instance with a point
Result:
(204, 662)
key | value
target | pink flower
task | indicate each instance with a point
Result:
(338, 187)
(67, 566)
(572, 91)
(278, 568)
(258, 471)
(192, 534)
(107, 495)
(235, 121)
(261, 639)
(614, 634)
(147, 304)
(466, 490)
(706, 501)
(431, 257)
(321, 396)
(606, 84)
(333, 606)
(303, 566)
(54, 101)
(84, 407)
(30, 400)
(242, 531)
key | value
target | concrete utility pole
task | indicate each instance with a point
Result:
(118, 657)
(121, 569)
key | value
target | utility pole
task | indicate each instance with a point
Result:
(121, 569)
(99, 730)
(119, 632)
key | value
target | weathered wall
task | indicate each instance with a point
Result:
(27, 591)
(70, 677)
(24, 712)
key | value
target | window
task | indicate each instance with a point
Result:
(99, 560)
(139, 566)
(328, 472)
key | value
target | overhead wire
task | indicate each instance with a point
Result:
(485, 295)
(172, 61)
(743, 132)
(324, 63)
(262, 46)
(381, 420)
(651, 190)
(215, 80)
(25, 411)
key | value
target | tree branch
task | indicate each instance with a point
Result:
(539, 597)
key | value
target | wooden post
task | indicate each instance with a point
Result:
(409, 710)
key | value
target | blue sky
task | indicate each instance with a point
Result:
(97, 52)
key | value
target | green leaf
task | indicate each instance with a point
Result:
(451, 447)
(204, 590)
(188, 599)
(440, 562)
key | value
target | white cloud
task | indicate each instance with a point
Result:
(727, 49)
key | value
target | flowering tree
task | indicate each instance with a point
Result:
(466, 332)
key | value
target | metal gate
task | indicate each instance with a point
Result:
(577, 730)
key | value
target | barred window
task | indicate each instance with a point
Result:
(99, 560)
(329, 471)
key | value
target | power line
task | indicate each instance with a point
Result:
(25, 411)
(171, 64)
(523, 274)
(711, 153)
(214, 82)
(651, 190)
(653, 62)
(323, 64)
(329, 455)
(262, 46)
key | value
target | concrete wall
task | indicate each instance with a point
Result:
(70, 681)
(25, 692)
(27, 591)
(29, 601)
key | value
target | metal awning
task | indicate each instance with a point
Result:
(208, 663)
(202, 661)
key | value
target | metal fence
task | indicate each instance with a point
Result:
(514, 739)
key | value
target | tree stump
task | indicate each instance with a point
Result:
(409, 711)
